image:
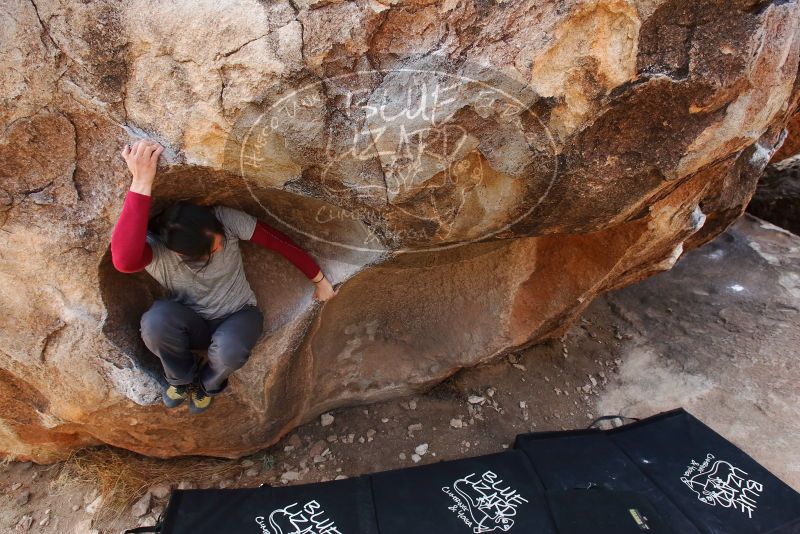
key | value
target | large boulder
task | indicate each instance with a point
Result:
(473, 173)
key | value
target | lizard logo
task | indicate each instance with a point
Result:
(482, 502)
(295, 519)
(720, 483)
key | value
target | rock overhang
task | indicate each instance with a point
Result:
(584, 165)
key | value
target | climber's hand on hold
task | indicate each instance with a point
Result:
(324, 290)
(142, 158)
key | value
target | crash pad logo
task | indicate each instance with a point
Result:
(484, 502)
(309, 518)
(719, 483)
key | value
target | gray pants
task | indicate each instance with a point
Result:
(171, 331)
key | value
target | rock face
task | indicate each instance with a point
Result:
(473, 173)
(791, 145)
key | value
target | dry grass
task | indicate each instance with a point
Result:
(122, 477)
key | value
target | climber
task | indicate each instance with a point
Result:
(193, 251)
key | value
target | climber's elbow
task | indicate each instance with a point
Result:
(125, 265)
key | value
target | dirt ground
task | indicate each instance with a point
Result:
(717, 335)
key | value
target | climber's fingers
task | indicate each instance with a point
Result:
(146, 148)
(149, 148)
(157, 152)
(126, 150)
(143, 149)
(137, 147)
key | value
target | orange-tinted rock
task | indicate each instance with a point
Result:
(473, 173)
(791, 146)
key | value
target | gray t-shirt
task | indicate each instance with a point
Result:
(220, 288)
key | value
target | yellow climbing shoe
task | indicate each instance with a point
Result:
(174, 395)
(198, 400)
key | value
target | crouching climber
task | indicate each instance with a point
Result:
(193, 252)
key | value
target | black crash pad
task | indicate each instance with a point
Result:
(668, 474)
(492, 493)
(336, 507)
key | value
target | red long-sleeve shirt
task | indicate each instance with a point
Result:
(131, 253)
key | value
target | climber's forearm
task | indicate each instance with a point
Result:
(129, 249)
(142, 187)
(272, 239)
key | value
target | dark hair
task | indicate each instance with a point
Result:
(188, 229)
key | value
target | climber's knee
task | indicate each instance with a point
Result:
(228, 350)
(153, 323)
(164, 321)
